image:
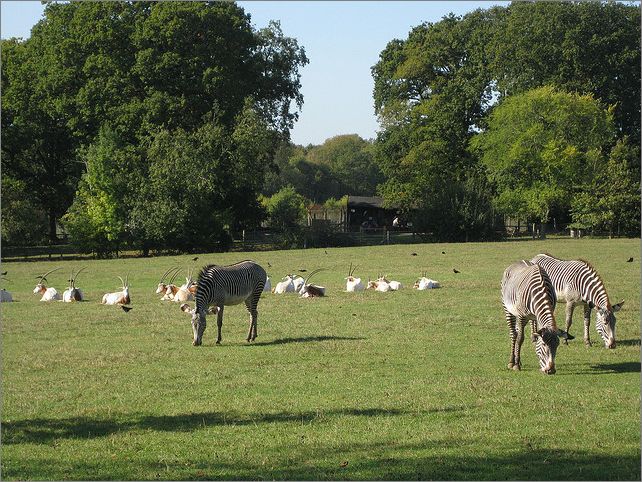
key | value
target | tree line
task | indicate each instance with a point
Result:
(166, 125)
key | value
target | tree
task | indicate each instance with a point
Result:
(286, 212)
(23, 222)
(540, 145)
(431, 94)
(585, 47)
(350, 160)
(141, 68)
(611, 200)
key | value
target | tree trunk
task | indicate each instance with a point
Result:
(53, 239)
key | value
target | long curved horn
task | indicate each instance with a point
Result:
(350, 270)
(121, 281)
(44, 276)
(174, 276)
(353, 270)
(127, 280)
(166, 273)
(74, 278)
(310, 275)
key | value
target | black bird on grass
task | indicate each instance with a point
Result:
(126, 309)
(269, 265)
(413, 254)
(443, 252)
(630, 260)
(302, 270)
(194, 259)
(4, 272)
(455, 271)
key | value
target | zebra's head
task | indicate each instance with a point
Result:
(198, 321)
(605, 324)
(546, 342)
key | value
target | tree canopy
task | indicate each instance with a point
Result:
(98, 78)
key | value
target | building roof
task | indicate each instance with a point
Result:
(365, 202)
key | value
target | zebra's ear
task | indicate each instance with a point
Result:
(617, 307)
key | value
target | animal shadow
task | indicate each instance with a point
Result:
(305, 339)
(624, 367)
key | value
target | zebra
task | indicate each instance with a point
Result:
(222, 286)
(528, 294)
(577, 283)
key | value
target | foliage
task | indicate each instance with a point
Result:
(350, 159)
(140, 68)
(611, 200)
(585, 47)
(540, 145)
(354, 386)
(434, 92)
(286, 213)
(23, 221)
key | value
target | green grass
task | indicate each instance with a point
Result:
(405, 385)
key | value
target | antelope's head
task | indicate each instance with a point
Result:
(162, 286)
(40, 286)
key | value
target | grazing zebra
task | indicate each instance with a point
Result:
(221, 286)
(577, 283)
(528, 294)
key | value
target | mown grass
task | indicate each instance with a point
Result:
(405, 385)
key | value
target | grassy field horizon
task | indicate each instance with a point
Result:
(387, 386)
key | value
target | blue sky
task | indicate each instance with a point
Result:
(342, 40)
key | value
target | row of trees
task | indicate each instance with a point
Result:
(530, 110)
(143, 122)
(166, 125)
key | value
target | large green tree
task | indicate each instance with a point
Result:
(140, 68)
(540, 145)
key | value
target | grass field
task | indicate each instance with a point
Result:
(404, 385)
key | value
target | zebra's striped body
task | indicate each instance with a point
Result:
(528, 295)
(577, 283)
(222, 286)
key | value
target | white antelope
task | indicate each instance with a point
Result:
(162, 286)
(298, 282)
(394, 285)
(185, 293)
(72, 293)
(379, 285)
(353, 284)
(48, 294)
(424, 283)
(310, 290)
(119, 297)
(285, 286)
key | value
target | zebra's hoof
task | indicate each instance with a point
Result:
(218, 342)
(517, 368)
(588, 344)
(510, 365)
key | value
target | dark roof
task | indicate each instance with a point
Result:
(365, 202)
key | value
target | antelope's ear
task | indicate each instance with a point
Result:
(212, 310)
(186, 308)
(617, 307)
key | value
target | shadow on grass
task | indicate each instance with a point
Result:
(439, 458)
(305, 339)
(631, 342)
(624, 367)
(41, 430)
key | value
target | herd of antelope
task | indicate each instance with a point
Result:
(170, 291)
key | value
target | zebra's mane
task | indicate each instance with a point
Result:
(540, 275)
(210, 266)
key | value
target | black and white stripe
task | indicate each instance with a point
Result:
(528, 295)
(577, 283)
(222, 286)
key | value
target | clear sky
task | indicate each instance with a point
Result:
(342, 40)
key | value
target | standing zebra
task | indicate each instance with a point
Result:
(528, 294)
(577, 283)
(221, 286)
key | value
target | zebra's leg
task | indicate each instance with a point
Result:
(510, 320)
(570, 306)
(533, 330)
(219, 324)
(518, 343)
(587, 324)
(250, 304)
